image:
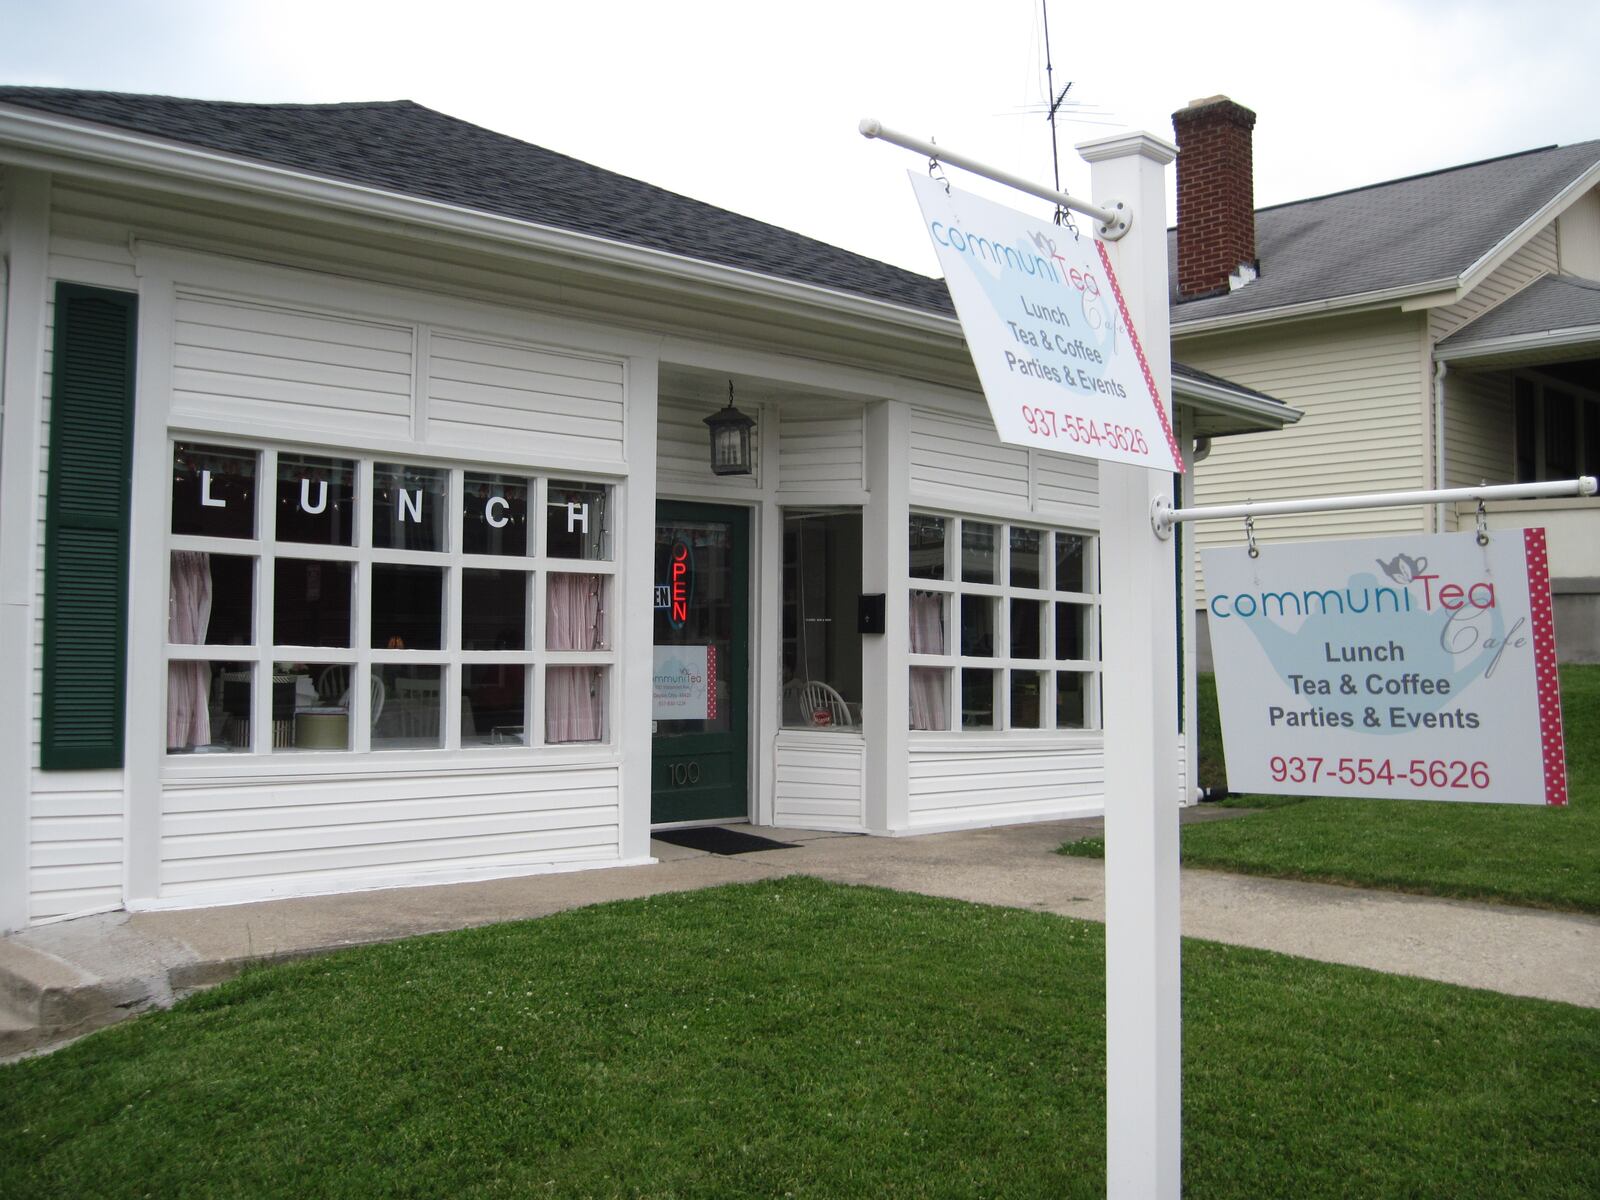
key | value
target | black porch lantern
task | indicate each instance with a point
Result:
(730, 439)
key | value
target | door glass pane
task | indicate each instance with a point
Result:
(927, 546)
(494, 514)
(821, 640)
(408, 507)
(316, 500)
(977, 552)
(213, 491)
(694, 624)
(407, 607)
(311, 602)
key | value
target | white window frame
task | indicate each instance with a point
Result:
(262, 653)
(952, 663)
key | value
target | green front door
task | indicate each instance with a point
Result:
(700, 751)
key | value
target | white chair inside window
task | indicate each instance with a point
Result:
(821, 706)
(333, 690)
(418, 701)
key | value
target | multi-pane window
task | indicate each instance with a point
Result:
(1003, 626)
(1557, 431)
(323, 603)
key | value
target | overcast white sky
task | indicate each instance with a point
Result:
(754, 106)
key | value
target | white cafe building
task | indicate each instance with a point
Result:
(360, 524)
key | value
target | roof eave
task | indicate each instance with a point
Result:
(47, 142)
(1417, 295)
(1518, 237)
(1544, 340)
(1251, 414)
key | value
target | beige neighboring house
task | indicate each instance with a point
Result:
(1437, 331)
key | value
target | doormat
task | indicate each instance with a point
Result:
(714, 839)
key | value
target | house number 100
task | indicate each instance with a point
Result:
(683, 773)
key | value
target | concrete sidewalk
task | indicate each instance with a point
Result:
(60, 981)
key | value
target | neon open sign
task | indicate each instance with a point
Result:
(681, 583)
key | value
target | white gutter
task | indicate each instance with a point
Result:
(1518, 343)
(57, 144)
(1439, 370)
(1383, 298)
(1226, 402)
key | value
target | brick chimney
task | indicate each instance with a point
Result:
(1216, 197)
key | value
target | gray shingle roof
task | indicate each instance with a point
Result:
(1397, 234)
(402, 147)
(1548, 305)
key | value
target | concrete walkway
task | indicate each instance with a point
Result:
(60, 981)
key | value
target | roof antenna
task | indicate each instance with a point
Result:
(1055, 106)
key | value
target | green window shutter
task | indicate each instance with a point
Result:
(86, 529)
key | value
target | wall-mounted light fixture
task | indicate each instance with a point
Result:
(730, 439)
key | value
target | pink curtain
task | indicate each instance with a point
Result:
(574, 698)
(927, 683)
(188, 617)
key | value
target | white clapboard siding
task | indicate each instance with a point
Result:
(820, 780)
(75, 834)
(1363, 383)
(1539, 257)
(959, 462)
(1480, 433)
(818, 452)
(683, 444)
(1066, 485)
(495, 396)
(968, 781)
(266, 837)
(310, 372)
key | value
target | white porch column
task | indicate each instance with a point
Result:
(636, 551)
(24, 290)
(1143, 1102)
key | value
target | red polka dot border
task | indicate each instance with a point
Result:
(711, 683)
(1544, 663)
(1144, 365)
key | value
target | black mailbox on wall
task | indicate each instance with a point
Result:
(870, 614)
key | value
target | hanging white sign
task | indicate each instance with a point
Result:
(1408, 666)
(1060, 363)
(685, 683)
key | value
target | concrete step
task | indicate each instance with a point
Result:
(45, 1000)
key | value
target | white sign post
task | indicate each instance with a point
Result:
(1408, 666)
(1054, 323)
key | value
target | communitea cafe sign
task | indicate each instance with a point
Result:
(1414, 667)
(1060, 362)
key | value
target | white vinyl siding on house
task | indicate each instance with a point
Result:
(1362, 383)
(821, 451)
(1578, 232)
(1066, 485)
(1538, 257)
(266, 837)
(297, 370)
(959, 463)
(683, 444)
(75, 843)
(523, 398)
(819, 781)
(967, 782)
(1480, 433)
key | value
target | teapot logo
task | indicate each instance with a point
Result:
(1403, 569)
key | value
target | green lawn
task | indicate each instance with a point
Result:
(1513, 853)
(796, 1038)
